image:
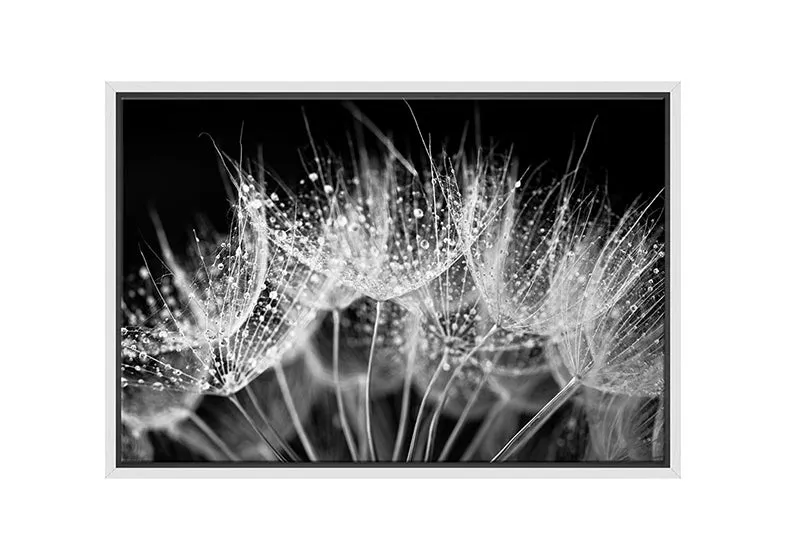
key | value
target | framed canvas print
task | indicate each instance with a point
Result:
(407, 279)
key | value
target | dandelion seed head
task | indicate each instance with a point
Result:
(241, 315)
(615, 321)
(380, 229)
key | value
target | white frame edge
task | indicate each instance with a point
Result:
(673, 471)
(111, 282)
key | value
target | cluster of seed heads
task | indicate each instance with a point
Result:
(470, 282)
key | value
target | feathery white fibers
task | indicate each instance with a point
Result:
(622, 427)
(609, 300)
(482, 311)
(515, 255)
(241, 317)
(443, 338)
(460, 360)
(377, 226)
(146, 408)
(615, 322)
(219, 430)
(492, 268)
(380, 229)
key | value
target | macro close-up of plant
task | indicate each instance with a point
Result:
(444, 303)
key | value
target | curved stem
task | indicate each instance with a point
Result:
(280, 441)
(402, 420)
(432, 429)
(213, 436)
(369, 436)
(422, 407)
(234, 400)
(360, 422)
(525, 434)
(290, 404)
(342, 414)
(462, 419)
(484, 429)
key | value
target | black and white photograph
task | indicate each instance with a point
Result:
(421, 280)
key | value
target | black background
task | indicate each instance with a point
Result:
(169, 162)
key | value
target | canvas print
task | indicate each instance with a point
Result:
(392, 280)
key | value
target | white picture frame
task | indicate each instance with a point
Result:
(672, 89)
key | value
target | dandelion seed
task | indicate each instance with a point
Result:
(612, 341)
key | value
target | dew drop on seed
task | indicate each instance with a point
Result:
(418, 213)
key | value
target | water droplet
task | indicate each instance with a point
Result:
(424, 244)
(418, 213)
(313, 176)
